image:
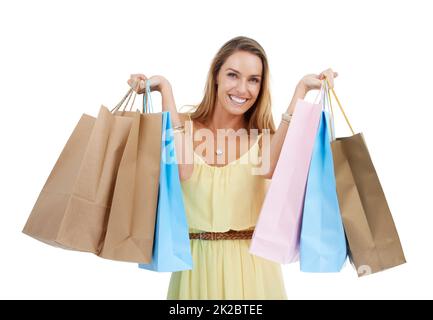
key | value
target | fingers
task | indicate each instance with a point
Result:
(133, 84)
(141, 84)
(330, 75)
(137, 82)
(139, 76)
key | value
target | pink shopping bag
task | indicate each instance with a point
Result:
(276, 236)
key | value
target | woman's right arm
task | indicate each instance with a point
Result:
(182, 140)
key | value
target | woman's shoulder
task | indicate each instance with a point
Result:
(184, 116)
(187, 119)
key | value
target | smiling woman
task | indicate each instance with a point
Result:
(223, 201)
(237, 89)
(223, 195)
(242, 88)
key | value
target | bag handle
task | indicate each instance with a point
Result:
(147, 99)
(339, 104)
(324, 98)
(127, 97)
(319, 94)
(327, 103)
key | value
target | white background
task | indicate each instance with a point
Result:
(59, 59)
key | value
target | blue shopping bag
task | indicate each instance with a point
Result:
(322, 242)
(171, 251)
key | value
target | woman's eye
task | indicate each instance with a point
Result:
(255, 80)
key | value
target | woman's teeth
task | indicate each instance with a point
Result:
(237, 100)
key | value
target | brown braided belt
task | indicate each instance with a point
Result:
(229, 235)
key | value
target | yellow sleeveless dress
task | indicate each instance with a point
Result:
(219, 199)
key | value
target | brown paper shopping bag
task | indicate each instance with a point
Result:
(131, 224)
(372, 236)
(71, 210)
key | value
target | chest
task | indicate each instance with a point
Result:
(222, 149)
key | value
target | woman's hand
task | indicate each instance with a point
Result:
(138, 83)
(314, 81)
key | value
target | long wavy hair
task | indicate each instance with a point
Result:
(259, 116)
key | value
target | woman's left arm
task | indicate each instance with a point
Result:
(307, 83)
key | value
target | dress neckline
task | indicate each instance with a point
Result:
(203, 161)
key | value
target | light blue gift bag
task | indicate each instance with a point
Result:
(323, 243)
(171, 250)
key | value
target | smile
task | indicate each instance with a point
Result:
(236, 100)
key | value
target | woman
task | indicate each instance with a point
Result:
(222, 194)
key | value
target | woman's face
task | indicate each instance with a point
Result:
(239, 81)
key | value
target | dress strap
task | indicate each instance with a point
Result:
(191, 124)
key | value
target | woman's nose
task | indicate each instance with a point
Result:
(242, 87)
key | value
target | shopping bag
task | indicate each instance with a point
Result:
(131, 223)
(373, 240)
(276, 235)
(171, 250)
(322, 243)
(72, 209)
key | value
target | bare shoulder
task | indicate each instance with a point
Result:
(184, 119)
(184, 116)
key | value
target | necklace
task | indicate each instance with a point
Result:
(218, 151)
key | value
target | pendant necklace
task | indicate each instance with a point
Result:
(218, 151)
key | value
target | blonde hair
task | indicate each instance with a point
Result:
(259, 116)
